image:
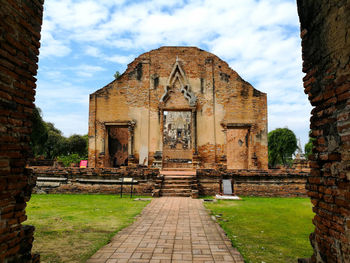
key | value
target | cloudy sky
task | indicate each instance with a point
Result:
(84, 42)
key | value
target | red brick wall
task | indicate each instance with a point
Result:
(274, 182)
(146, 179)
(326, 50)
(19, 43)
(284, 183)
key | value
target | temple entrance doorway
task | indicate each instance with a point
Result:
(237, 148)
(118, 137)
(177, 139)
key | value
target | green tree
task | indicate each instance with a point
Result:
(77, 144)
(308, 146)
(282, 143)
(117, 74)
(67, 160)
(86, 138)
(39, 133)
(49, 141)
(56, 143)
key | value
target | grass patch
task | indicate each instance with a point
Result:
(267, 229)
(71, 228)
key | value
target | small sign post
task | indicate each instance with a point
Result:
(126, 181)
(83, 163)
(227, 187)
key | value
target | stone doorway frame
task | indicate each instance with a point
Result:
(194, 145)
(131, 134)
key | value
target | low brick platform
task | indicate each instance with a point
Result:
(170, 229)
(272, 182)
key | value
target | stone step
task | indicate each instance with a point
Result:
(177, 184)
(178, 177)
(177, 181)
(177, 194)
(177, 190)
(174, 186)
(176, 173)
(178, 169)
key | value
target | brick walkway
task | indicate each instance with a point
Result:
(170, 229)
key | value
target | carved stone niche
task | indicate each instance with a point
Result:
(177, 73)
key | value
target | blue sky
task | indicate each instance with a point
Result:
(85, 42)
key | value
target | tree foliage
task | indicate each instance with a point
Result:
(282, 143)
(77, 144)
(39, 132)
(67, 160)
(117, 74)
(308, 147)
(48, 141)
(56, 143)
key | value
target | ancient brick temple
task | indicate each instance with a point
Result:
(178, 107)
(325, 39)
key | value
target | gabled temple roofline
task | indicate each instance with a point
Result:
(149, 53)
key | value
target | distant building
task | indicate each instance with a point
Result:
(178, 107)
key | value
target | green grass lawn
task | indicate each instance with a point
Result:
(267, 229)
(71, 228)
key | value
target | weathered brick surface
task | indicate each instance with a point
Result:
(19, 42)
(75, 183)
(224, 102)
(273, 182)
(325, 31)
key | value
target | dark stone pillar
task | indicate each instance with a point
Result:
(194, 121)
(131, 129)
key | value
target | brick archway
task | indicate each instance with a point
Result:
(325, 32)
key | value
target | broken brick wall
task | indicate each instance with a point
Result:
(325, 33)
(266, 183)
(19, 48)
(93, 180)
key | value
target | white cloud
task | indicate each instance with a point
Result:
(87, 70)
(120, 59)
(55, 95)
(68, 14)
(93, 51)
(69, 124)
(52, 47)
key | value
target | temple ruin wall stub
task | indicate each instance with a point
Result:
(19, 48)
(325, 31)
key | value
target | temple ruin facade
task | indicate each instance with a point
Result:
(178, 107)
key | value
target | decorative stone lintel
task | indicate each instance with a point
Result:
(226, 125)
